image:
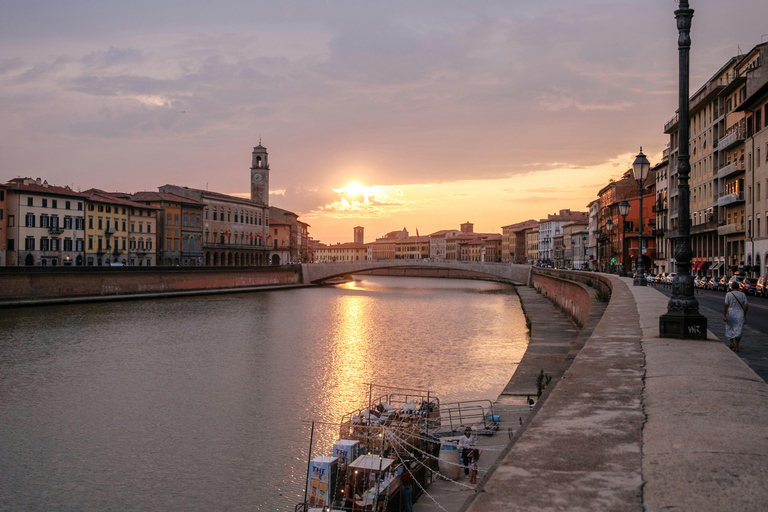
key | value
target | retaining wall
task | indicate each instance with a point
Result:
(570, 290)
(41, 283)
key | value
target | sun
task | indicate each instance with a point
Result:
(355, 191)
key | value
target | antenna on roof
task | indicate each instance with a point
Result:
(259, 139)
(738, 49)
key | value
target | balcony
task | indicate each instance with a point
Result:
(729, 229)
(731, 168)
(671, 123)
(733, 138)
(728, 199)
(208, 245)
(704, 227)
(658, 232)
(55, 230)
(110, 231)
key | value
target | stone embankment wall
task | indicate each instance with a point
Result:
(570, 290)
(17, 283)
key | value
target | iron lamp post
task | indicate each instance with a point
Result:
(573, 254)
(609, 227)
(623, 211)
(641, 166)
(682, 319)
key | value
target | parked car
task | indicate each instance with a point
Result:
(703, 283)
(748, 285)
(712, 284)
(737, 278)
(651, 278)
(696, 281)
(661, 278)
(670, 277)
(760, 290)
(722, 284)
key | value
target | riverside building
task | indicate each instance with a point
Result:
(3, 223)
(350, 251)
(719, 188)
(44, 224)
(106, 230)
(236, 230)
(552, 227)
(178, 229)
(755, 107)
(514, 241)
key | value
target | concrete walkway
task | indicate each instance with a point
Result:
(706, 436)
(638, 423)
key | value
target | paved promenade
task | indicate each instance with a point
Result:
(634, 423)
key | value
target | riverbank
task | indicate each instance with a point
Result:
(639, 423)
(22, 286)
(554, 342)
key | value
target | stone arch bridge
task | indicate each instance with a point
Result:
(315, 273)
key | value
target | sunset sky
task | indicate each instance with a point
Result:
(440, 112)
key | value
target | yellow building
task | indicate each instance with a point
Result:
(106, 229)
(341, 252)
(412, 248)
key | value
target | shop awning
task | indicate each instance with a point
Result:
(371, 462)
(717, 265)
(703, 265)
(696, 266)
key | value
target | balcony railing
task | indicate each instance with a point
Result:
(732, 168)
(729, 229)
(658, 232)
(704, 226)
(55, 230)
(110, 231)
(240, 246)
(737, 135)
(736, 197)
(672, 122)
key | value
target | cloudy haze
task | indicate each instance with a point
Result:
(447, 111)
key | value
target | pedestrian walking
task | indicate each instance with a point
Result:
(734, 315)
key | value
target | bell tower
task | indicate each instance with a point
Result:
(260, 175)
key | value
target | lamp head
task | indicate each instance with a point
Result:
(624, 208)
(609, 225)
(641, 166)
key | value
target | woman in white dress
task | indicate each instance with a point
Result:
(734, 315)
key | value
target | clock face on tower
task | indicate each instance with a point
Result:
(257, 177)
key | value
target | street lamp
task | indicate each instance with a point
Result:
(682, 319)
(584, 245)
(573, 254)
(641, 166)
(609, 227)
(623, 211)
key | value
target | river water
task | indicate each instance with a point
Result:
(204, 403)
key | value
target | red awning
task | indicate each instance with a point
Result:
(696, 266)
(704, 265)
